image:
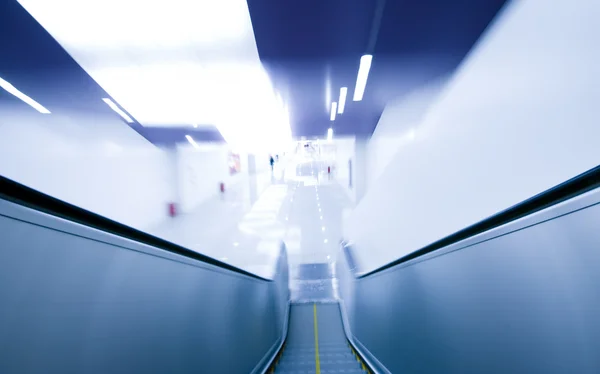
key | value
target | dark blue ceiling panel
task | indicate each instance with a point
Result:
(305, 43)
(169, 136)
(38, 66)
(302, 43)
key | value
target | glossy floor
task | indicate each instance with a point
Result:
(299, 203)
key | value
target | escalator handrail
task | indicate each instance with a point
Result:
(30, 198)
(578, 185)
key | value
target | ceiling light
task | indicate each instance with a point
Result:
(114, 107)
(343, 93)
(195, 126)
(333, 110)
(361, 78)
(327, 92)
(329, 134)
(20, 95)
(159, 91)
(192, 141)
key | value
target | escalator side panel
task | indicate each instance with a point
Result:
(523, 298)
(78, 300)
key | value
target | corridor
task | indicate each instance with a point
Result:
(299, 203)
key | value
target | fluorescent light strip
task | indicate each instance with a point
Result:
(327, 93)
(192, 141)
(361, 78)
(333, 110)
(26, 99)
(329, 134)
(342, 101)
(114, 107)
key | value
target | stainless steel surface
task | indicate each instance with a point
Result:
(523, 298)
(77, 300)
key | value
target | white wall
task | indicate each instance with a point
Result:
(200, 172)
(397, 125)
(518, 117)
(345, 148)
(95, 162)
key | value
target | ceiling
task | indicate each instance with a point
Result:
(306, 46)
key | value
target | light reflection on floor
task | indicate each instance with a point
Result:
(304, 208)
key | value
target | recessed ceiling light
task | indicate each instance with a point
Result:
(114, 107)
(342, 101)
(21, 96)
(333, 111)
(327, 92)
(361, 78)
(192, 141)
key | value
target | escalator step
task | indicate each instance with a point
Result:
(322, 356)
(299, 355)
(323, 371)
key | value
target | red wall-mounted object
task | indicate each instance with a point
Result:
(172, 210)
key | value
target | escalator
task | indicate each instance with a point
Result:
(514, 293)
(316, 343)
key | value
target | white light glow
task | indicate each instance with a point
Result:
(199, 64)
(183, 23)
(327, 92)
(20, 95)
(329, 134)
(361, 78)
(114, 107)
(192, 141)
(333, 111)
(342, 101)
(195, 126)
